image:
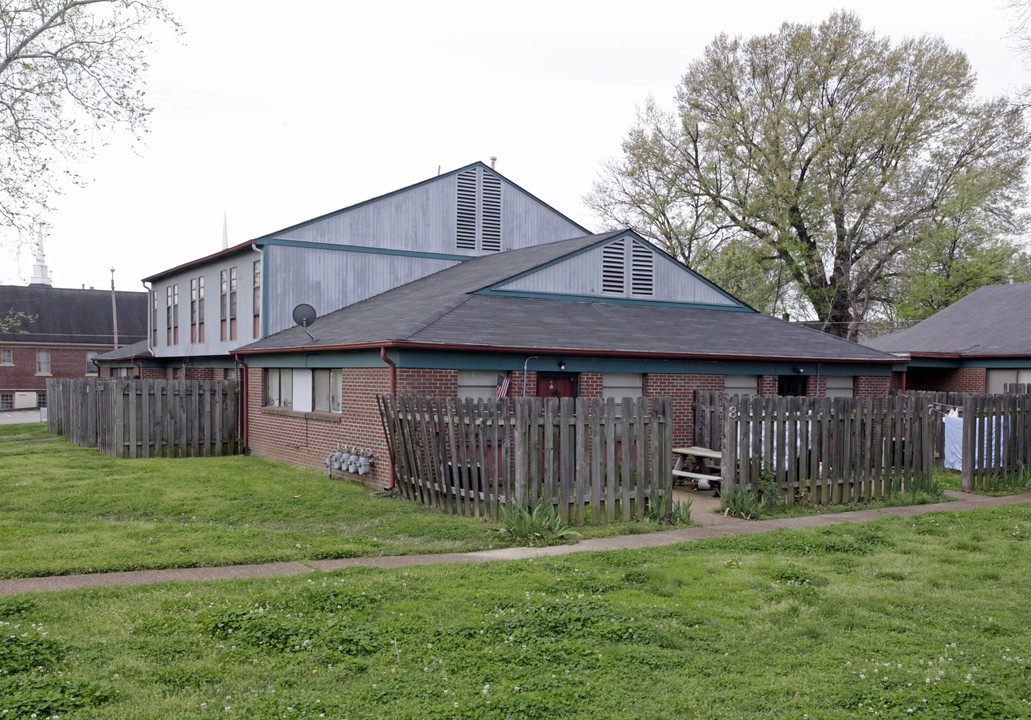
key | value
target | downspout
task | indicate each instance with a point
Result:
(244, 404)
(150, 315)
(393, 369)
(139, 368)
(393, 391)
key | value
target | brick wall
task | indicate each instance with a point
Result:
(681, 388)
(429, 382)
(20, 376)
(873, 386)
(963, 380)
(307, 438)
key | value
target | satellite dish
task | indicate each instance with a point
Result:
(304, 315)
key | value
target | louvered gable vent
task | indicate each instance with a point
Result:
(613, 268)
(479, 211)
(642, 271)
(467, 210)
(627, 268)
(491, 227)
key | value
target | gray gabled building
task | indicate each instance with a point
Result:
(202, 311)
(599, 315)
(979, 344)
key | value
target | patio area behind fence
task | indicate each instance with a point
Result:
(594, 460)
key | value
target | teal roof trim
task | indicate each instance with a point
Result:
(616, 300)
(362, 249)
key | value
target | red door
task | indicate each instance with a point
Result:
(558, 385)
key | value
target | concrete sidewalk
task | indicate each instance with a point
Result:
(712, 524)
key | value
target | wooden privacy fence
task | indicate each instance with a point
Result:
(996, 437)
(147, 418)
(826, 450)
(594, 460)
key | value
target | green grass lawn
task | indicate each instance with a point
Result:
(921, 617)
(65, 509)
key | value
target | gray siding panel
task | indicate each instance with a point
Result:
(424, 219)
(331, 279)
(582, 274)
(212, 345)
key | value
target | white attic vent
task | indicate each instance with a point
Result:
(642, 271)
(613, 268)
(479, 211)
(467, 210)
(627, 264)
(491, 227)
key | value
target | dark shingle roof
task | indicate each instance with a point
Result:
(136, 350)
(443, 310)
(989, 321)
(70, 316)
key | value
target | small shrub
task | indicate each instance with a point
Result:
(540, 525)
(663, 509)
(742, 503)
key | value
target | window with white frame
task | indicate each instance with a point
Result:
(478, 384)
(740, 384)
(621, 385)
(42, 362)
(279, 388)
(325, 390)
(840, 386)
(6, 356)
(91, 366)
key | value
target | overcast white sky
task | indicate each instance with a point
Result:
(273, 113)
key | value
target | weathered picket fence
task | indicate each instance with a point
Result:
(826, 450)
(595, 461)
(147, 418)
(996, 437)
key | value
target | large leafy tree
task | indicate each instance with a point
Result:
(834, 151)
(68, 67)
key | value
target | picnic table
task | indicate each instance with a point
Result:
(698, 463)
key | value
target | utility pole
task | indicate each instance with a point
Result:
(114, 310)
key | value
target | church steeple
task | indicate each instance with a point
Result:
(40, 274)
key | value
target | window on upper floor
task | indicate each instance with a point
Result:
(91, 366)
(627, 269)
(197, 310)
(478, 211)
(6, 356)
(172, 314)
(154, 316)
(232, 303)
(256, 300)
(200, 309)
(42, 362)
(223, 304)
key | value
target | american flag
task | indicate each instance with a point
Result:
(503, 383)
